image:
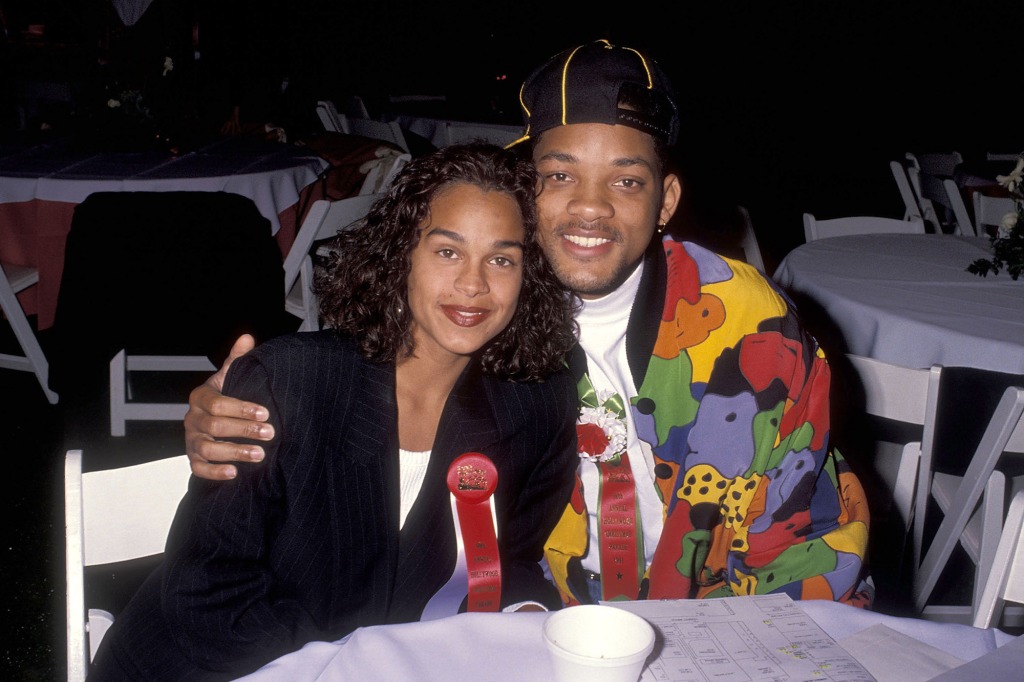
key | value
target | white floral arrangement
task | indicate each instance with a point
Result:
(1008, 242)
(600, 434)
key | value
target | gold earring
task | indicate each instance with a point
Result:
(661, 228)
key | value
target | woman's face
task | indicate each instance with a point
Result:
(467, 270)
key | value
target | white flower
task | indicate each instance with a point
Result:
(1007, 224)
(168, 65)
(113, 103)
(612, 427)
(1012, 180)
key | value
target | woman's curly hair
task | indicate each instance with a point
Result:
(363, 289)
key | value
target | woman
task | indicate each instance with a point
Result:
(448, 335)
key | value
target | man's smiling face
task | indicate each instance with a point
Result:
(601, 200)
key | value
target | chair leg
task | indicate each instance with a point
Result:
(118, 369)
(992, 527)
(968, 494)
(33, 360)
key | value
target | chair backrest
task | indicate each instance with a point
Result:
(330, 118)
(355, 106)
(911, 208)
(748, 240)
(378, 130)
(1005, 581)
(935, 163)
(905, 395)
(838, 227)
(935, 201)
(323, 220)
(110, 516)
(991, 211)
(501, 135)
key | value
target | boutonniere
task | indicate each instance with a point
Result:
(601, 426)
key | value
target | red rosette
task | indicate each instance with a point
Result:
(472, 480)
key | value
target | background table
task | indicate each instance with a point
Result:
(41, 184)
(479, 647)
(908, 299)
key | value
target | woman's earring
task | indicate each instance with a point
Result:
(661, 228)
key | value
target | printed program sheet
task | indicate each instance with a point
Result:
(741, 639)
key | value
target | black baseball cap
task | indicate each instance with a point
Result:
(600, 83)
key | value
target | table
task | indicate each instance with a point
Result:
(41, 184)
(907, 299)
(478, 647)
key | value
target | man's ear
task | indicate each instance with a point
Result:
(672, 192)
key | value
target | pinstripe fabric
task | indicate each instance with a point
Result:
(306, 545)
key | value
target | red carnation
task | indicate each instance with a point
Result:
(590, 439)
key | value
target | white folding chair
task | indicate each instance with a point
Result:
(838, 227)
(324, 219)
(972, 506)
(501, 135)
(378, 130)
(15, 278)
(943, 208)
(138, 265)
(748, 240)
(1005, 582)
(332, 121)
(990, 211)
(908, 396)
(111, 516)
(122, 407)
(911, 208)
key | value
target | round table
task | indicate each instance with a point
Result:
(908, 299)
(41, 184)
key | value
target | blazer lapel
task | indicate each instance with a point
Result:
(467, 424)
(371, 441)
(645, 316)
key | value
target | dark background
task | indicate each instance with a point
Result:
(787, 106)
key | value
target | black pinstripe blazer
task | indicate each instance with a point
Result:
(306, 545)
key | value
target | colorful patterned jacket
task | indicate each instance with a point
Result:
(734, 402)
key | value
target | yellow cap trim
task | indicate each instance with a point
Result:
(565, 71)
(647, 70)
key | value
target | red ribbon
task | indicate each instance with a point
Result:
(472, 480)
(618, 527)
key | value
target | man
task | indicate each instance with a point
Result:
(704, 429)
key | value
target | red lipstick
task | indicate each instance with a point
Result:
(465, 316)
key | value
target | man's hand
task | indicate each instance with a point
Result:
(212, 415)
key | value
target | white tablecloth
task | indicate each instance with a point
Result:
(271, 174)
(908, 299)
(480, 647)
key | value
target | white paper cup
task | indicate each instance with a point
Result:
(595, 643)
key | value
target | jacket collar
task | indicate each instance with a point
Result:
(643, 325)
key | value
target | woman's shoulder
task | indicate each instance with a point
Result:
(299, 353)
(288, 344)
(556, 388)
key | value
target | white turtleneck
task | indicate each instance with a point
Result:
(603, 338)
